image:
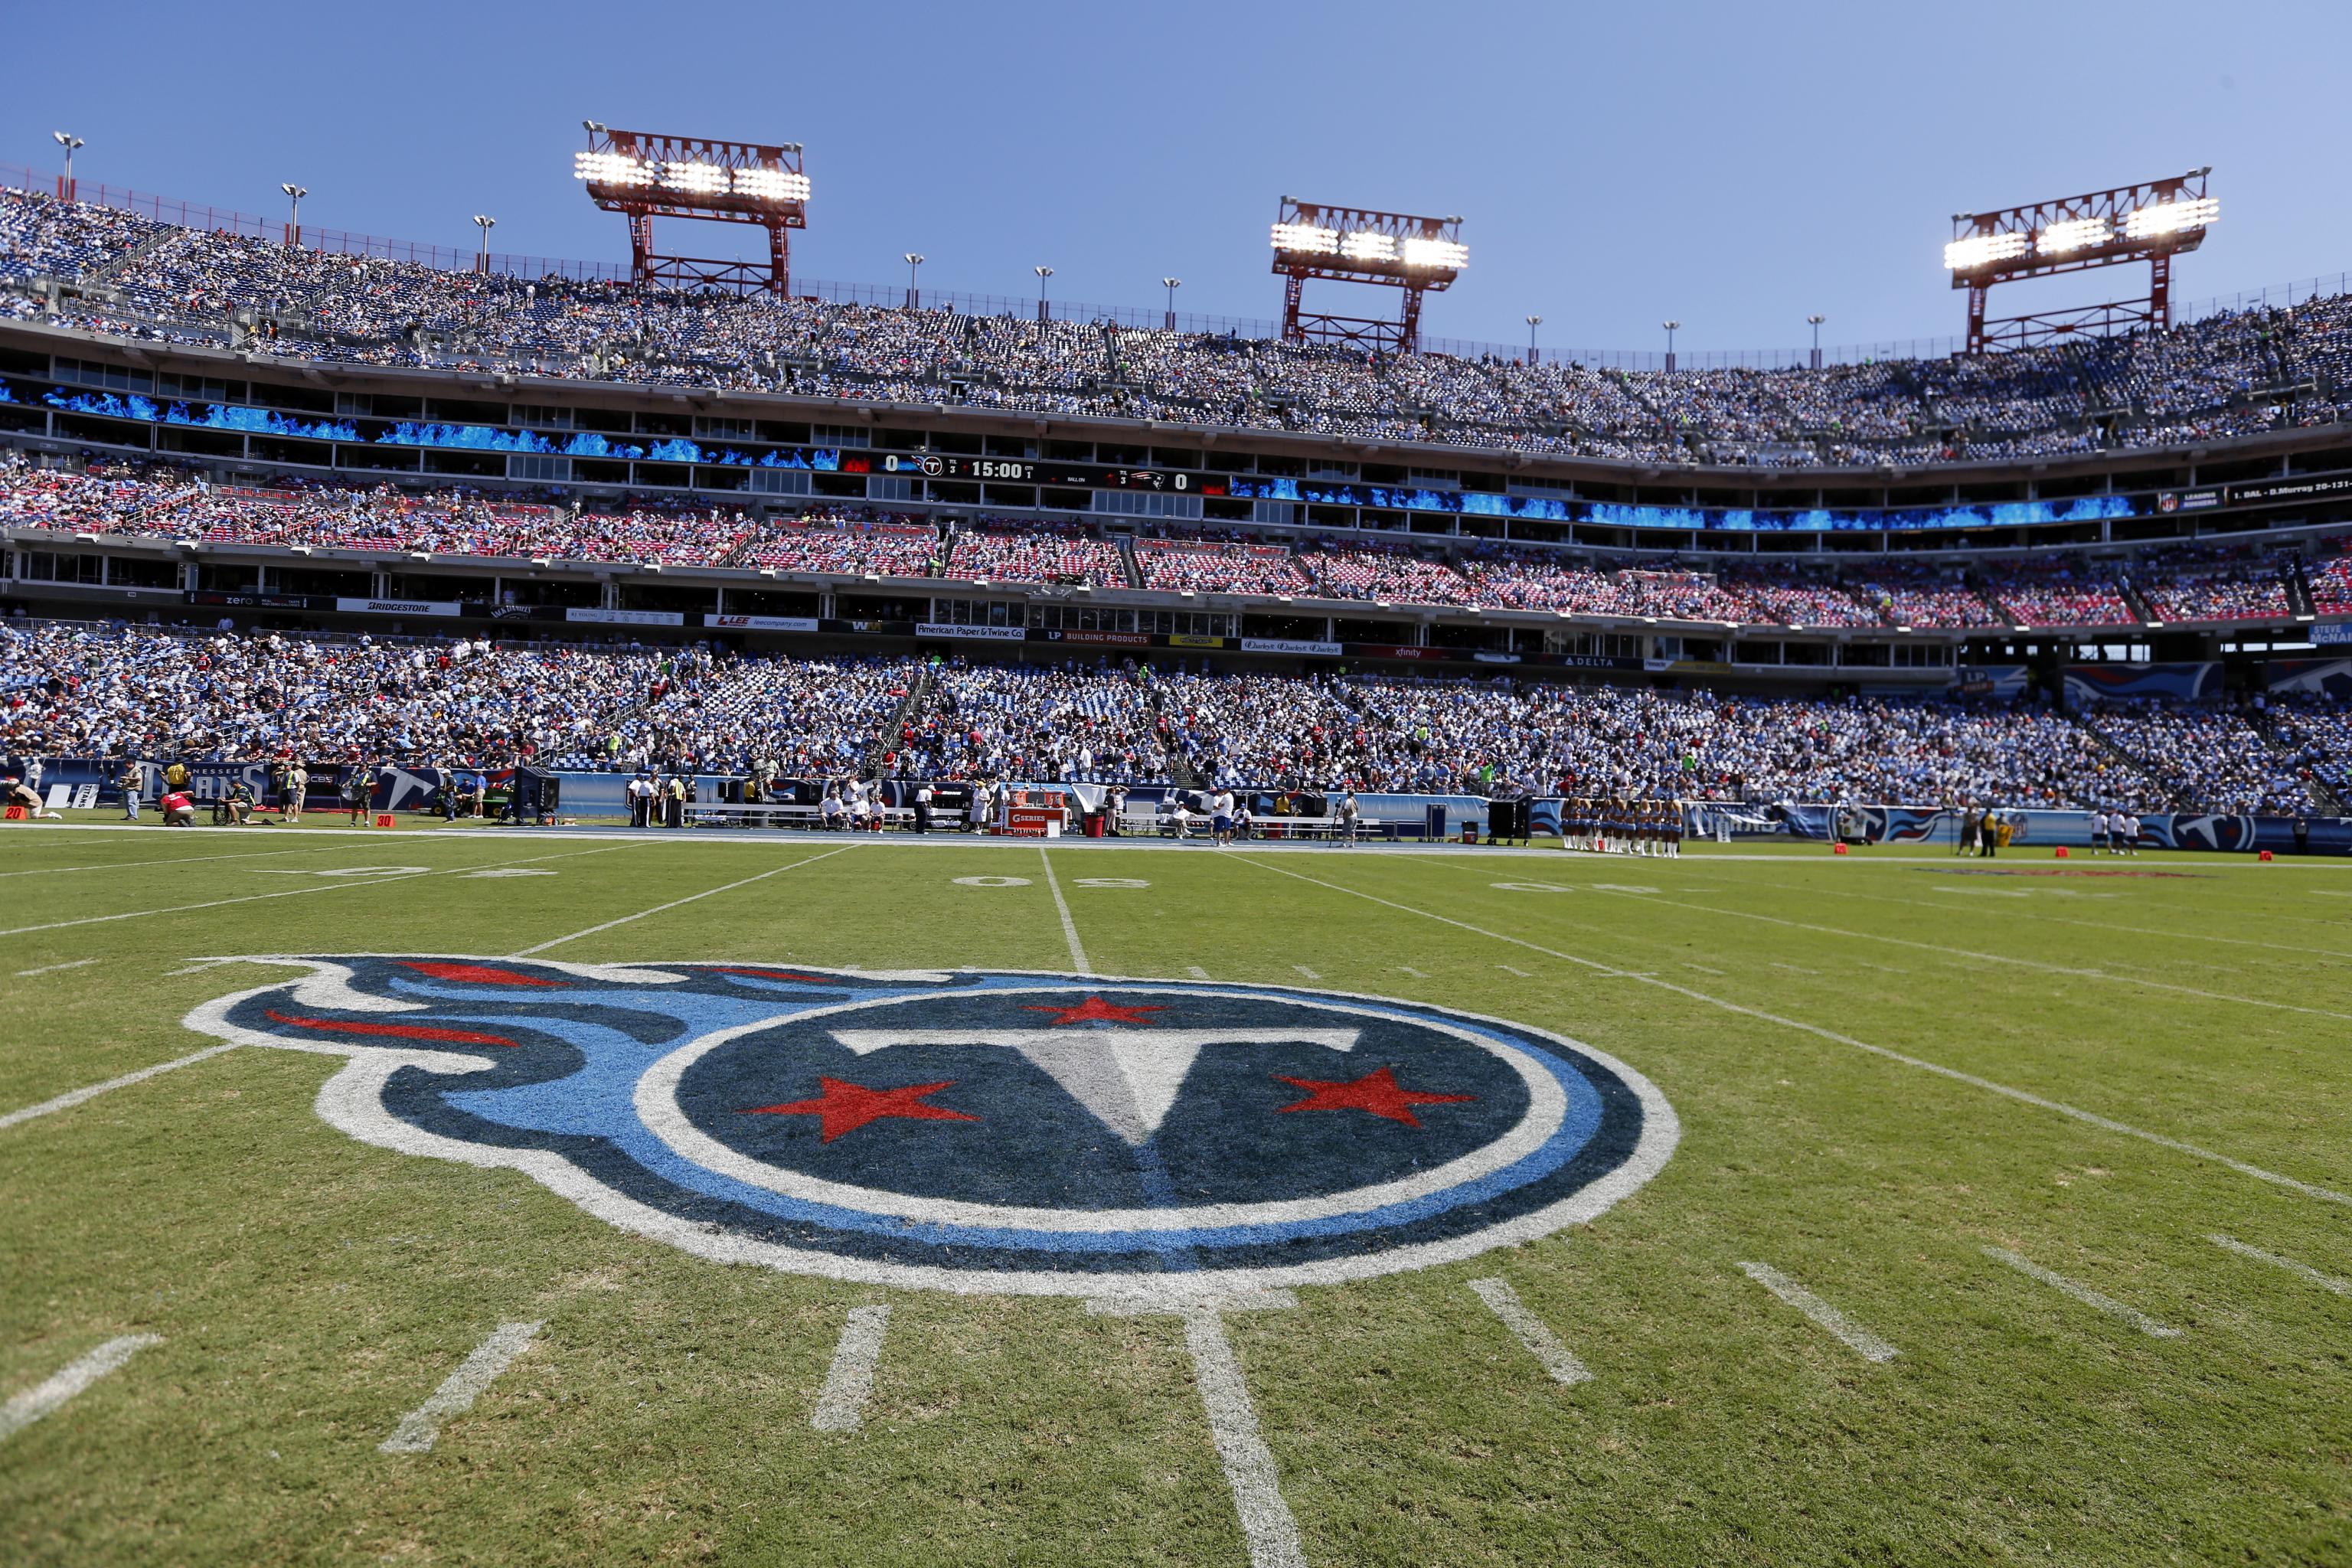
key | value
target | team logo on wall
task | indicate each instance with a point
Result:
(978, 1131)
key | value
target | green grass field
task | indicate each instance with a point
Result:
(1880, 1070)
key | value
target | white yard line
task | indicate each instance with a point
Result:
(77, 1374)
(675, 903)
(2083, 1293)
(1267, 1527)
(1061, 907)
(296, 892)
(420, 1426)
(2191, 936)
(849, 1382)
(1958, 954)
(74, 1097)
(1856, 1338)
(2024, 1097)
(1542, 1342)
(53, 968)
(2303, 1271)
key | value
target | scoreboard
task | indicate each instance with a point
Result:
(1033, 472)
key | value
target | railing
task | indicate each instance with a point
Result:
(451, 259)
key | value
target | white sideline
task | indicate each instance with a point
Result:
(1856, 1338)
(2303, 1271)
(2083, 1293)
(2024, 1097)
(1062, 907)
(2194, 936)
(850, 1382)
(76, 1375)
(1542, 1342)
(674, 903)
(420, 1426)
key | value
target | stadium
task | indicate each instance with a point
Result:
(667, 911)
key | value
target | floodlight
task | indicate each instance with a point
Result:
(611, 169)
(2171, 217)
(772, 184)
(1436, 254)
(1366, 245)
(1981, 250)
(694, 178)
(2074, 234)
(1306, 238)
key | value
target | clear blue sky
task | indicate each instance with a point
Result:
(1733, 166)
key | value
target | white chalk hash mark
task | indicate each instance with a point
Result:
(1307, 971)
(1267, 1526)
(1703, 969)
(1542, 1343)
(1069, 927)
(1520, 972)
(76, 1375)
(1409, 969)
(849, 1382)
(1196, 971)
(2083, 1293)
(53, 968)
(1858, 1340)
(1794, 968)
(420, 1426)
(2303, 1271)
(72, 1098)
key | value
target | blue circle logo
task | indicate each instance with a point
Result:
(979, 1131)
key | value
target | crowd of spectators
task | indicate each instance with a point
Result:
(1035, 553)
(78, 689)
(2226, 375)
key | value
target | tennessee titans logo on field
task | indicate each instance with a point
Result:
(979, 1131)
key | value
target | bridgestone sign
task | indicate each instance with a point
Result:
(396, 606)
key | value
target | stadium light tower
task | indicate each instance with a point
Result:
(294, 194)
(1043, 273)
(1815, 321)
(1171, 285)
(69, 140)
(1352, 245)
(645, 175)
(1533, 322)
(1672, 327)
(2152, 222)
(913, 259)
(486, 223)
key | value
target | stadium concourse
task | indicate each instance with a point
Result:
(150, 693)
(2234, 373)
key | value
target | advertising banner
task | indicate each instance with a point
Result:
(627, 617)
(1287, 645)
(399, 607)
(979, 634)
(2095, 682)
(761, 623)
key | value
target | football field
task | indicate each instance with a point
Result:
(807, 1200)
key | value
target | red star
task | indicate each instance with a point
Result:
(1376, 1092)
(1095, 1010)
(847, 1106)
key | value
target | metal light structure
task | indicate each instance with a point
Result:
(2152, 222)
(69, 140)
(913, 259)
(1671, 327)
(486, 223)
(1043, 273)
(1814, 321)
(645, 175)
(294, 194)
(1354, 245)
(1171, 285)
(1533, 322)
